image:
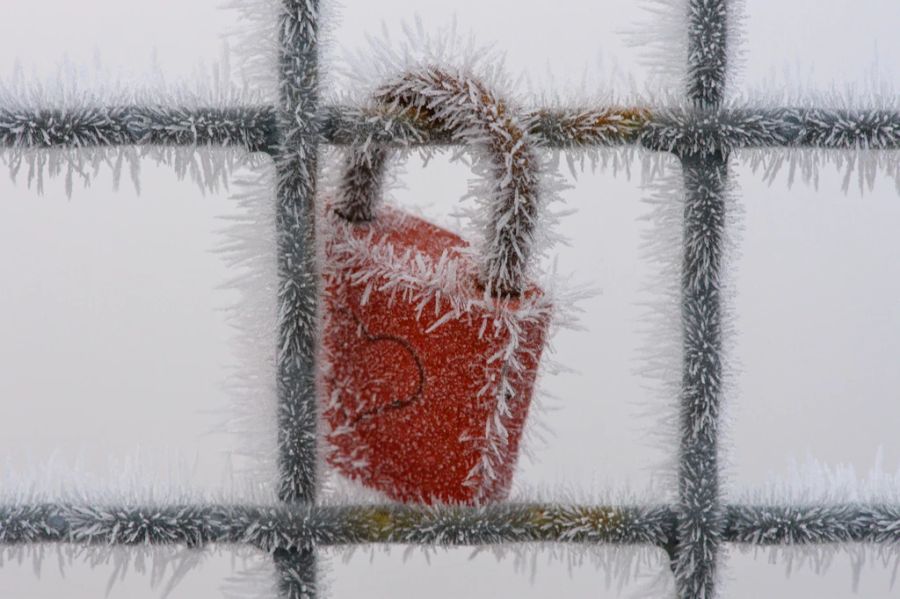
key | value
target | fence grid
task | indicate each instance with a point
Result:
(702, 134)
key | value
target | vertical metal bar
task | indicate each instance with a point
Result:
(707, 51)
(700, 517)
(296, 163)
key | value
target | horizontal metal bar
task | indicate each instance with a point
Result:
(683, 131)
(249, 127)
(303, 526)
(288, 526)
(551, 127)
(711, 131)
(678, 130)
(813, 524)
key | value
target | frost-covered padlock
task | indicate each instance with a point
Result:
(430, 348)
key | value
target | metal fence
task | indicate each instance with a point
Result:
(702, 134)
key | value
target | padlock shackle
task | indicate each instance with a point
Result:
(464, 108)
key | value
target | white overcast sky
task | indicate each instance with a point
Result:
(114, 342)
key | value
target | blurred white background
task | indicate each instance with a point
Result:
(114, 341)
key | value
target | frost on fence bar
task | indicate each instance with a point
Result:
(700, 517)
(660, 129)
(709, 131)
(700, 521)
(285, 527)
(248, 127)
(574, 128)
(814, 524)
(296, 164)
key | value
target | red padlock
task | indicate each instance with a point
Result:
(429, 358)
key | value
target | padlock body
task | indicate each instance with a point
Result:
(426, 386)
